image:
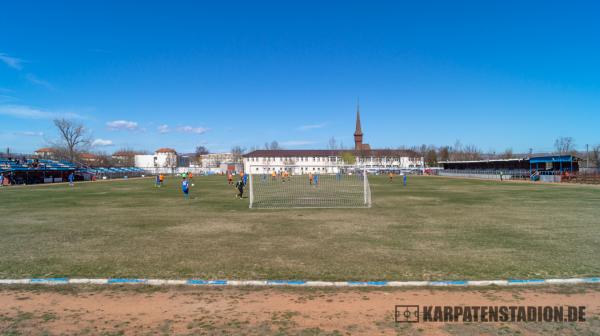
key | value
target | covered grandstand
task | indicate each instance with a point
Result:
(33, 171)
(549, 168)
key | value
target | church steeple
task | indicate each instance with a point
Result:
(358, 134)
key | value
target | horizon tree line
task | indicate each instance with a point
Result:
(74, 139)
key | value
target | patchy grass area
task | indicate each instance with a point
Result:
(435, 228)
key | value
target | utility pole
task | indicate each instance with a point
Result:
(587, 155)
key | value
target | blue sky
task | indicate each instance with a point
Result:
(497, 74)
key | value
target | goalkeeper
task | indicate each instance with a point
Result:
(240, 187)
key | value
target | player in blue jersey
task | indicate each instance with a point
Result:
(185, 187)
(71, 179)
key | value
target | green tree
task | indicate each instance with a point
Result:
(348, 158)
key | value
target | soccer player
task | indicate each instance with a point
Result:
(316, 179)
(404, 178)
(391, 175)
(229, 178)
(1, 180)
(71, 179)
(245, 179)
(190, 175)
(240, 187)
(274, 175)
(157, 181)
(161, 178)
(185, 187)
(310, 178)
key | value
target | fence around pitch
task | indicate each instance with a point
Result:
(543, 176)
(520, 174)
(583, 178)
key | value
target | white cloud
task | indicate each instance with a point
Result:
(30, 133)
(102, 143)
(294, 143)
(37, 81)
(310, 127)
(28, 112)
(164, 129)
(13, 62)
(122, 125)
(190, 129)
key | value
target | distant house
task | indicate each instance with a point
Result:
(45, 153)
(88, 158)
(124, 158)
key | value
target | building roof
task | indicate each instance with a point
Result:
(532, 159)
(329, 152)
(45, 150)
(88, 156)
(166, 150)
(486, 160)
(554, 158)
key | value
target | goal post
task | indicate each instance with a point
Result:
(301, 187)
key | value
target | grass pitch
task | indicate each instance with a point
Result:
(435, 228)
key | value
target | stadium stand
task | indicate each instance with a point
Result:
(33, 171)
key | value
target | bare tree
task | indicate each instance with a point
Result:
(431, 157)
(507, 154)
(444, 153)
(274, 145)
(237, 152)
(595, 156)
(200, 150)
(73, 138)
(471, 152)
(102, 159)
(332, 144)
(564, 145)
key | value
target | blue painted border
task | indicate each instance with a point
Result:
(312, 283)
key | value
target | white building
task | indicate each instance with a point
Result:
(215, 160)
(162, 158)
(331, 161)
(328, 161)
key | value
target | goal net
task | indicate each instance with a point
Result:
(294, 187)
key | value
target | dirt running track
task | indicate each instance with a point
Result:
(267, 311)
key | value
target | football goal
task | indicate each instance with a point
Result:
(297, 187)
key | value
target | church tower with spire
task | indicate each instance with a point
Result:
(358, 134)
